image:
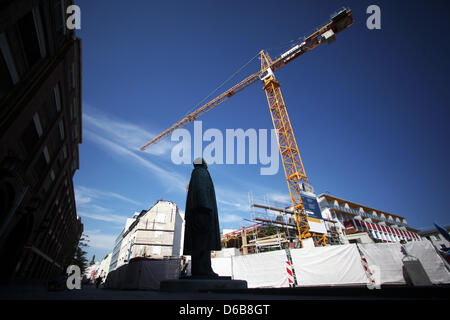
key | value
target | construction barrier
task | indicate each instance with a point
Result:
(143, 274)
(330, 265)
(387, 258)
(261, 270)
(432, 263)
(367, 270)
(290, 273)
(222, 266)
(370, 264)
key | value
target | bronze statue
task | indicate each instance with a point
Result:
(201, 222)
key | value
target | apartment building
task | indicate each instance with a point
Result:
(155, 233)
(40, 130)
(357, 223)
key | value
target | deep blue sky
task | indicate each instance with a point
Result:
(370, 112)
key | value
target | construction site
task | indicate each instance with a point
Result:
(301, 223)
(315, 240)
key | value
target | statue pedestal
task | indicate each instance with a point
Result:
(198, 284)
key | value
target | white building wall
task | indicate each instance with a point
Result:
(104, 265)
(178, 236)
(361, 237)
(118, 245)
(156, 233)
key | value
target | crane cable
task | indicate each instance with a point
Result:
(223, 83)
(286, 44)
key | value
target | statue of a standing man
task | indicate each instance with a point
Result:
(201, 222)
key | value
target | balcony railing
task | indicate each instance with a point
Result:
(365, 214)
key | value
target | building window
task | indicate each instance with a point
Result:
(40, 166)
(30, 137)
(57, 97)
(49, 111)
(40, 31)
(74, 134)
(71, 111)
(8, 60)
(37, 124)
(60, 163)
(75, 107)
(5, 78)
(58, 13)
(30, 40)
(46, 155)
(61, 130)
(70, 78)
(54, 143)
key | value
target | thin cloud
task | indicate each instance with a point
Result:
(283, 199)
(81, 199)
(88, 194)
(230, 218)
(170, 178)
(98, 240)
(114, 218)
(237, 200)
(122, 132)
(124, 139)
(229, 203)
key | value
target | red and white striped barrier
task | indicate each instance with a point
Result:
(290, 273)
(367, 270)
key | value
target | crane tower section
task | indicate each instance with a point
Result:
(290, 155)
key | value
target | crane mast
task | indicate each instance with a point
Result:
(292, 163)
(290, 155)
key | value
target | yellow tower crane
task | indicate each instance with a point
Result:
(293, 167)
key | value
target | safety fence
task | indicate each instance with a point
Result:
(341, 265)
(351, 264)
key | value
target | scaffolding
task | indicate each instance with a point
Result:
(274, 227)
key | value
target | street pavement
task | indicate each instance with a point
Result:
(90, 292)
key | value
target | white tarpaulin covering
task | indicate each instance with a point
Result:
(331, 265)
(222, 266)
(266, 269)
(143, 274)
(388, 258)
(431, 262)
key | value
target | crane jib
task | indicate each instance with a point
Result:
(339, 22)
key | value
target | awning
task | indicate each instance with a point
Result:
(349, 224)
